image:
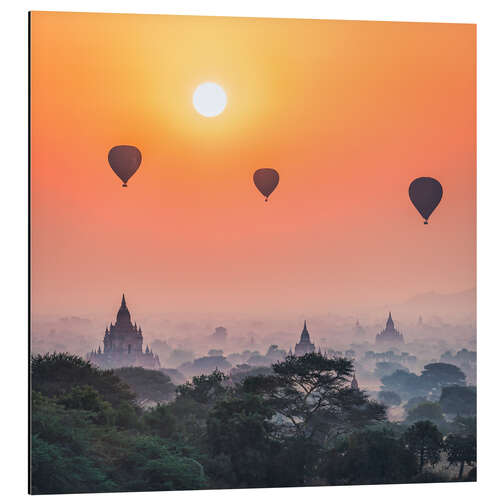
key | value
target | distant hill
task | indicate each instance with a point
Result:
(460, 306)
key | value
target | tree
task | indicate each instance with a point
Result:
(204, 389)
(407, 385)
(414, 402)
(458, 400)
(73, 452)
(424, 440)
(370, 457)
(240, 427)
(461, 449)
(61, 455)
(389, 398)
(194, 401)
(152, 385)
(160, 420)
(437, 375)
(57, 373)
(384, 368)
(88, 399)
(312, 395)
(426, 411)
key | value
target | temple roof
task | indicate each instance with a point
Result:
(123, 315)
(304, 337)
(390, 324)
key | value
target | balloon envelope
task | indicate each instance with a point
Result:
(425, 194)
(124, 161)
(266, 180)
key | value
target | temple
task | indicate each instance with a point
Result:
(354, 383)
(123, 345)
(305, 345)
(389, 336)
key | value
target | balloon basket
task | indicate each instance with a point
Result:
(124, 185)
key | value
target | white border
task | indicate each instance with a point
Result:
(13, 199)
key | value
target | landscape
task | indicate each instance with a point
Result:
(252, 253)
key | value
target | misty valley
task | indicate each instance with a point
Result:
(338, 402)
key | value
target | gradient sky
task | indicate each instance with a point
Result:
(349, 113)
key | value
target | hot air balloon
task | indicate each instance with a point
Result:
(425, 194)
(124, 161)
(266, 180)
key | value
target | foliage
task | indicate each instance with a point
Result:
(424, 440)
(384, 368)
(312, 395)
(57, 373)
(389, 398)
(461, 449)
(414, 402)
(437, 375)
(160, 420)
(458, 400)
(83, 440)
(406, 384)
(152, 385)
(434, 376)
(241, 429)
(426, 411)
(370, 457)
(298, 423)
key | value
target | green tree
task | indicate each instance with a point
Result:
(160, 420)
(194, 401)
(312, 395)
(148, 385)
(87, 398)
(57, 373)
(61, 450)
(424, 440)
(370, 457)
(204, 389)
(240, 427)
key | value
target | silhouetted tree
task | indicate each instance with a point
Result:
(151, 385)
(461, 450)
(370, 457)
(407, 385)
(458, 400)
(437, 375)
(424, 440)
(313, 396)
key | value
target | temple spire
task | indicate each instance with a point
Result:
(354, 383)
(124, 304)
(390, 322)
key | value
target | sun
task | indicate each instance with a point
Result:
(209, 99)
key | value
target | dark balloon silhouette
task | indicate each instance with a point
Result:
(425, 194)
(124, 161)
(266, 180)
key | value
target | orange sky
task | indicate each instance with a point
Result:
(347, 112)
